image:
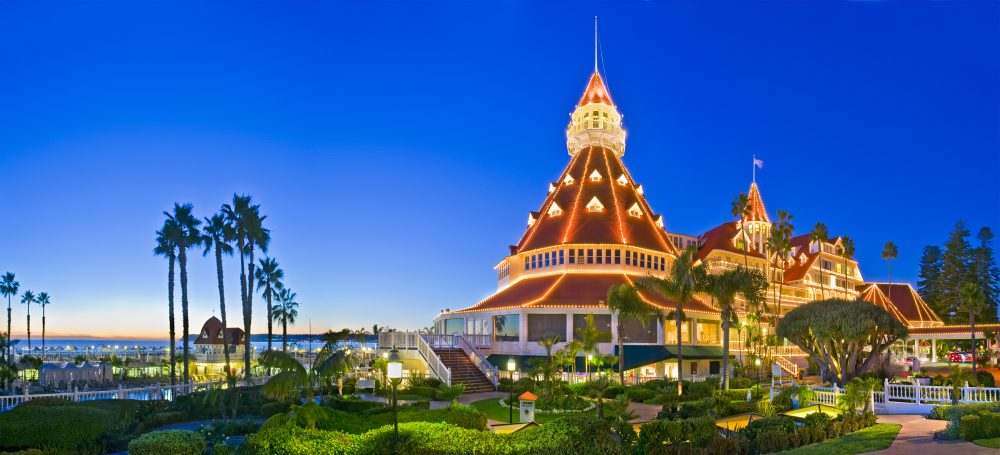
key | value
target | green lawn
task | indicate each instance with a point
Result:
(993, 443)
(493, 411)
(876, 437)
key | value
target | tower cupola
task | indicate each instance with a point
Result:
(596, 121)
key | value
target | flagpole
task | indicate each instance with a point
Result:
(753, 165)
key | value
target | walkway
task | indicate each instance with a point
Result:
(917, 436)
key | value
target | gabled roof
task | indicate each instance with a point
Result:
(569, 290)
(871, 293)
(757, 210)
(722, 238)
(612, 225)
(210, 333)
(910, 304)
(596, 92)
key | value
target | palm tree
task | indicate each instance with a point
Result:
(285, 311)
(957, 378)
(187, 236)
(751, 285)
(687, 276)
(590, 338)
(8, 288)
(43, 300)
(28, 298)
(740, 209)
(625, 302)
(294, 380)
(218, 234)
(547, 342)
(780, 242)
(889, 253)
(250, 233)
(847, 250)
(973, 301)
(269, 277)
(375, 331)
(820, 235)
(165, 246)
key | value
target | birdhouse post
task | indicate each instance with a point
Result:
(527, 400)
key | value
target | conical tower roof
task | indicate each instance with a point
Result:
(757, 210)
(596, 92)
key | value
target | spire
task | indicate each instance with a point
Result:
(757, 210)
(595, 44)
(596, 92)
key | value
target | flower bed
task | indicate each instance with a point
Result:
(588, 406)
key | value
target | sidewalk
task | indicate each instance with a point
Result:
(917, 437)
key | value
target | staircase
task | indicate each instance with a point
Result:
(463, 371)
(787, 365)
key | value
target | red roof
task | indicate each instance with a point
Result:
(757, 210)
(576, 224)
(596, 92)
(721, 238)
(210, 333)
(527, 396)
(909, 303)
(871, 293)
(576, 290)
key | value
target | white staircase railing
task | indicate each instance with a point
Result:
(787, 365)
(418, 342)
(477, 358)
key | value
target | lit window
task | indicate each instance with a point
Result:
(638, 189)
(618, 256)
(568, 180)
(635, 210)
(595, 176)
(659, 223)
(595, 205)
(572, 256)
(555, 210)
(622, 180)
(552, 187)
(531, 218)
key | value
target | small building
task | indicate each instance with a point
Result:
(69, 374)
(209, 350)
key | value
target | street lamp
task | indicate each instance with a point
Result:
(395, 373)
(757, 363)
(590, 358)
(511, 366)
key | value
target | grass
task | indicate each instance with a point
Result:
(494, 411)
(876, 437)
(993, 443)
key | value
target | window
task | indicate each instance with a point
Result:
(572, 256)
(600, 257)
(607, 256)
(622, 180)
(618, 256)
(636, 332)
(568, 180)
(595, 205)
(540, 325)
(562, 256)
(671, 331)
(601, 321)
(453, 326)
(595, 176)
(628, 257)
(555, 210)
(635, 210)
(694, 368)
(714, 367)
(546, 259)
(596, 122)
(507, 327)
(590, 256)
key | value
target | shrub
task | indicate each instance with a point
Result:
(352, 405)
(655, 384)
(816, 419)
(169, 442)
(985, 379)
(292, 440)
(702, 389)
(639, 393)
(422, 390)
(583, 435)
(45, 401)
(430, 438)
(222, 449)
(868, 419)
(461, 416)
(804, 436)
(740, 383)
(699, 431)
(771, 441)
(272, 408)
(54, 428)
(720, 445)
(781, 424)
(953, 414)
(981, 425)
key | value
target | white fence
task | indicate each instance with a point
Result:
(156, 392)
(912, 398)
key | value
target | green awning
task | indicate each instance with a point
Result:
(637, 355)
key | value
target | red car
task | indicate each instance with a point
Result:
(959, 357)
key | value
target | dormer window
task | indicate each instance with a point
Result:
(595, 176)
(595, 205)
(204, 333)
(531, 218)
(555, 210)
(638, 189)
(622, 180)
(568, 180)
(659, 221)
(635, 210)
(219, 334)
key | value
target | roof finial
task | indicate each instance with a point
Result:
(595, 44)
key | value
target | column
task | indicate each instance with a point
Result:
(916, 348)
(933, 350)
(522, 334)
(661, 332)
(569, 327)
(614, 332)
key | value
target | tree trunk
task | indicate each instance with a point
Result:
(173, 332)
(889, 296)
(184, 309)
(29, 326)
(725, 350)
(680, 359)
(222, 311)
(972, 327)
(43, 329)
(621, 349)
(270, 315)
(10, 344)
(245, 308)
(284, 332)
(248, 310)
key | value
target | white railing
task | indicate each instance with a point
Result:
(155, 392)
(787, 365)
(480, 341)
(424, 344)
(477, 358)
(915, 394)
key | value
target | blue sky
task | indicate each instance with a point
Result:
(397, 147)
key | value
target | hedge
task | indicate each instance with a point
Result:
(168, 442)
(954, 413)
(981, 425)
(698, 431)
(460, 416)
(54, 428)
(581, 434)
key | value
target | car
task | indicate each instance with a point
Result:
(959, 357)
(909, 360)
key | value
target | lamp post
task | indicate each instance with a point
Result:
(395, 373)
(511, 366)
(590, 358)
(757, 363)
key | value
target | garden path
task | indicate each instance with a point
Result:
(917, 436)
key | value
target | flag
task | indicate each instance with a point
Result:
(758, 163)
